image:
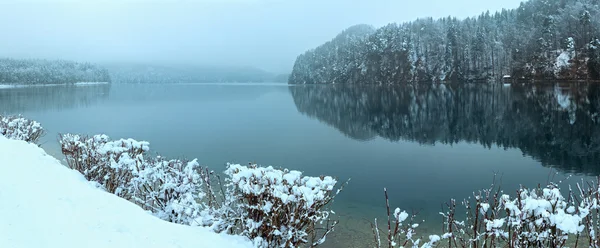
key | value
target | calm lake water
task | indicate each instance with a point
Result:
(425, 143)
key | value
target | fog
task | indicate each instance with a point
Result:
(267, 34)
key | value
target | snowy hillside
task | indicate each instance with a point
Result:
(541, 39)
(45, 204)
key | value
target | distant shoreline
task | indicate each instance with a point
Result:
(13, 86)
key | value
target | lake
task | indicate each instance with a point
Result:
(425, 143)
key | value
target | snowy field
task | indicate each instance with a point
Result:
(45, 204)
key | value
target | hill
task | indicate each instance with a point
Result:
(541, 39)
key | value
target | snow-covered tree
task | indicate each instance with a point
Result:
(37, 71)
(524, 43)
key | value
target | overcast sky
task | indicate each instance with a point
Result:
(268, 34)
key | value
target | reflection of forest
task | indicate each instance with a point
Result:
(19, 100)
(556, 124)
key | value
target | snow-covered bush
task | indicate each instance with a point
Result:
(171, 189)
(538, 217)
(110, 163)
(19, 128)
(272, 207)
(276, 207)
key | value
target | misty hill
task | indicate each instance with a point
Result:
(541, 39)
(137, 73)
(555, 124)
(39, 71)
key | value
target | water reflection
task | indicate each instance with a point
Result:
(20, 100)
(556, 124)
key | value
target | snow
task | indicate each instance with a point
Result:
(6, 86)
(484, 208)
(562, 60)
(434, 238)
(288, 186)
(400, 215)
(493, 224)
(90, 83)
(45, 204)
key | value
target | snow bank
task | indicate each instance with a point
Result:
(45, 204)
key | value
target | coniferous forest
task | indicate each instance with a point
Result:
(39, 71)
(539, 40)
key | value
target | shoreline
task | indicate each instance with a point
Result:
(76, 212)
(18, 86)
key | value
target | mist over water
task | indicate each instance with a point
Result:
(267, 34)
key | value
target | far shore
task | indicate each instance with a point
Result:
(11, 86)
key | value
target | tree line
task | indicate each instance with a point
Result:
(40, 71)
(539, 40)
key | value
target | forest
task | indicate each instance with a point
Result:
(539, 40)
(555, 124)
(40, 71)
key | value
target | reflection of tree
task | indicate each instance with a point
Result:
(558, 126)
(15, 101)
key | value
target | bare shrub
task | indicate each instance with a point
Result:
(19, 128)
(398, 233)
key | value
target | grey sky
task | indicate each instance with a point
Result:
(268, 34)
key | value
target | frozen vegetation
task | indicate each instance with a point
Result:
(541, 39)
(49, 72)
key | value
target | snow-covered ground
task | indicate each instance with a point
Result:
(45, 204)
